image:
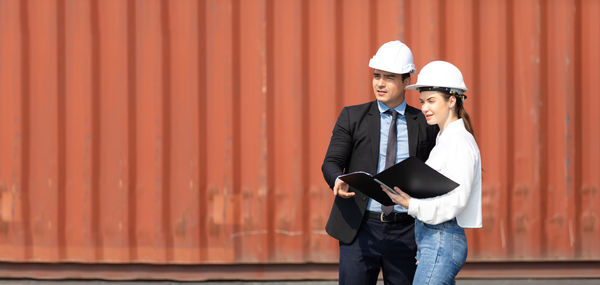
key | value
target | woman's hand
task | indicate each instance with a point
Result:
(401, 198)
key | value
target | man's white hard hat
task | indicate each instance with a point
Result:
(394, 57)
(440, 75)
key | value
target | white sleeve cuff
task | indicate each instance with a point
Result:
(413, 207)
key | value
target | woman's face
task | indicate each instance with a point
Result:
(436, 108)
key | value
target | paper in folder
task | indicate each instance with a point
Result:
(411, 175)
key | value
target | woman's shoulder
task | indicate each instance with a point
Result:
(459, 137)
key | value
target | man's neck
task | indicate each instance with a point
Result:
(395, 104)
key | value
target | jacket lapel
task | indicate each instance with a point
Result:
(374, 124)
(413, 130)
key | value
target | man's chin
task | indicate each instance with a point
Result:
(381, 99)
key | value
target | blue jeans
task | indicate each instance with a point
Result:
(441, 252)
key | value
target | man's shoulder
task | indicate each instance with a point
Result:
(360, 110)
(412, 110)
(363, 106)
(416, 113)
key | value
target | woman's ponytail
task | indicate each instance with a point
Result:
(462, 114)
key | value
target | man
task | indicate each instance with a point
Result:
(371, 137)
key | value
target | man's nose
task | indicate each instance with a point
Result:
(380, 82)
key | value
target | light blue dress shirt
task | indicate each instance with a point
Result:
(402, 147)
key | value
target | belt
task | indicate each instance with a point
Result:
(394, 217)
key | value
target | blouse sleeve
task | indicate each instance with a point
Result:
(460, 162)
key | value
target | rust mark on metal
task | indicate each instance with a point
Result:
(284, 222)
(588, 222)
(7, 202)
(212, 191)
(521, 191)
(317, 221)
(589, 190)
(248, 233)
(247, 194)
(488, 221)
(557, 219)
(4, 227)
(488, 195)
(521, 222)
(180, 228)
(214, 229)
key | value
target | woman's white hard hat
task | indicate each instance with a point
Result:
(394, 57)
(440, 74)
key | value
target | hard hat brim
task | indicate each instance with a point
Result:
(417, 86)
(375, 64)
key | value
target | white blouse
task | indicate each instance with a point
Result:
(455, 155)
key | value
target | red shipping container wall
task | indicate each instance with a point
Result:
(192, 132)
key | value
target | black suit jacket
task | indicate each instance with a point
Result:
(354, 146)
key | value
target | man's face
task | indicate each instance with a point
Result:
(389, 87)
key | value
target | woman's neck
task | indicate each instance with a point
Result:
(447, 122)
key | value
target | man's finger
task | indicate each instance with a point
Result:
(344, 193)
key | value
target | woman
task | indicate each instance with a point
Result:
(440, 221)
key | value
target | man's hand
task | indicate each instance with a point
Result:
(401, 198)
(341, 189)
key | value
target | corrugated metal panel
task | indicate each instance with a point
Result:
(306, 273)
(157, 131)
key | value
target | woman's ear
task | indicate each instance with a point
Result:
(452, 101)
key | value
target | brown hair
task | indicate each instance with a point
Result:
(461, 112)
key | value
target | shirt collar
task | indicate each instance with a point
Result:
(400, 108)
(456, 125)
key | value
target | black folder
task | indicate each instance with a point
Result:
(411, 175)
